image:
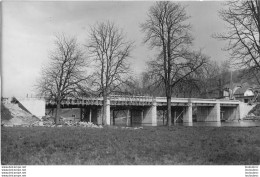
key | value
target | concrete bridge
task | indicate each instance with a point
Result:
(143, 110)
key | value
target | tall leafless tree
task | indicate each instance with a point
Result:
(166, 30)
(64, 75)
(110, 50)
(243, 33)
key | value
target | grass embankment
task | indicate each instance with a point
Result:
(255, 110)
(151, 145)
(5, 113)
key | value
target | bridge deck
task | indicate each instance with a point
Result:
(145, 101)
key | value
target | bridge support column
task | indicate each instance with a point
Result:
(187, 114)
(128, 118)
(107, 118)
(99, 116)
(150, 115)
(208, 114)
(90, 115)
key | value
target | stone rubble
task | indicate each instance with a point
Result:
(49, 122)
(132, 128)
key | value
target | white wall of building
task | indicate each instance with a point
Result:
(249, 93)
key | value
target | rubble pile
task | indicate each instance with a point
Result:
(49, 122)
(132, 128)
(88, 124)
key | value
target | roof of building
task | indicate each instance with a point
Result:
(243, 89)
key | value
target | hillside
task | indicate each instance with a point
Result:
(255, 111)
(13, 115)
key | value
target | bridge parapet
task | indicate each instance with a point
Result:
(144, 101)
(114, 100)
(131, 100)
(78, 101)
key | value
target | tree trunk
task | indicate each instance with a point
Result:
(163, 117)
(57, 116)
(169, 115)
(104, 110)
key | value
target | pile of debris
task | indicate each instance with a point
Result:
(88, 124)
(48, 121)
(81, 124)
(132, 128)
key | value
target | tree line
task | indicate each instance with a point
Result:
(101, 66)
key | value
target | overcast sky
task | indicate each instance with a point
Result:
(29, 28)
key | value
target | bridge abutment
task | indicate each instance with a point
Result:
(208, 113)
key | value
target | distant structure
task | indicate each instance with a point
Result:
(5, 100)
(243, 92)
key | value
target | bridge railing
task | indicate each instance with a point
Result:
(198, 100)
(111, 98)
(131, 98)
(163, 99)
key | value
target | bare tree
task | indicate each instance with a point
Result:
(252, 73)
(110, 50)
(243, 36)
(65, 72)
(208, 80)
(165, 30)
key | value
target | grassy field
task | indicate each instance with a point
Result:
(178, 145)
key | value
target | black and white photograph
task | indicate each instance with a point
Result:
(130, 83)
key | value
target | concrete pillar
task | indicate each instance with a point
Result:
(128, 121)
(208, 113)
(107, 118)
(187, 114)
(90, 115)
(99, 116)
(150, 115)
